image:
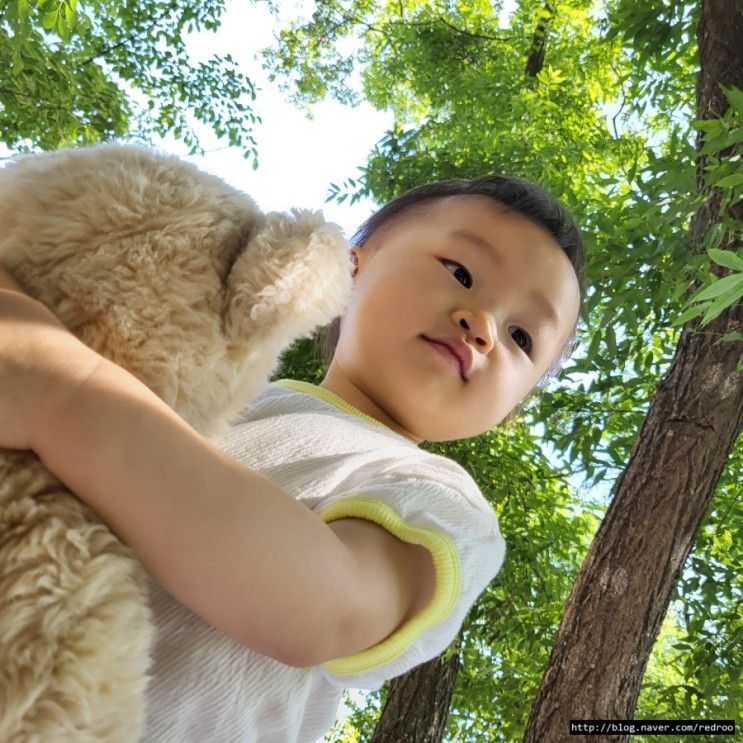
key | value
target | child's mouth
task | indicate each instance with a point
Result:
(447, 354)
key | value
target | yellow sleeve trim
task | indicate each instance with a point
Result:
(328, 396)
(446, 590)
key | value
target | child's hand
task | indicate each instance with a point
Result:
(41, 362)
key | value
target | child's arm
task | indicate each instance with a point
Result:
(222, 539)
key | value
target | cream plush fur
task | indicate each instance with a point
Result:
(180, 279)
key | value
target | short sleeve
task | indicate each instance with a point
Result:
(447, 514)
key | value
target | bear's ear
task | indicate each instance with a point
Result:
(293, 270)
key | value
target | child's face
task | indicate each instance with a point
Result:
(405, 289)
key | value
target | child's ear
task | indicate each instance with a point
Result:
(358, 256)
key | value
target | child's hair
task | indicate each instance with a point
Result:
(517, 195)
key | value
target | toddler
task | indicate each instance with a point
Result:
(316, 546)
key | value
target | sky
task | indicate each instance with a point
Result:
(298, 157)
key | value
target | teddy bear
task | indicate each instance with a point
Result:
(180, 279)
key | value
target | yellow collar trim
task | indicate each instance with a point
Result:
(328, 396)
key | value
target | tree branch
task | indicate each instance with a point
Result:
(470, 33)
(132, 36)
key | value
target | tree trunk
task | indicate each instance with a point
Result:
(535, 62)
(418, 703)
(625, 585)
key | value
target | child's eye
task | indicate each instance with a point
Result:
(459, 266)
(523, 341)
(522, 338)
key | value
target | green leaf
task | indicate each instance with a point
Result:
(728, 284)
(731, 337)
(710, 126)
(726, 258)
(735, 98)
(49, 19)
(689, 313)
(729, 181)
(723, 301)
(721, 141)
(611, 341)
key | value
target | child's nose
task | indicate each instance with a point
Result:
(479, 326)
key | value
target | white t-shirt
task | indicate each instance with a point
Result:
(340, 463)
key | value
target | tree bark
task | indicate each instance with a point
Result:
(624, 587)
(535, 61)
(418, 703)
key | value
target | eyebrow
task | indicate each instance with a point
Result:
(479, 242)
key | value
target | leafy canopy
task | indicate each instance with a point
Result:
(79, 73)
